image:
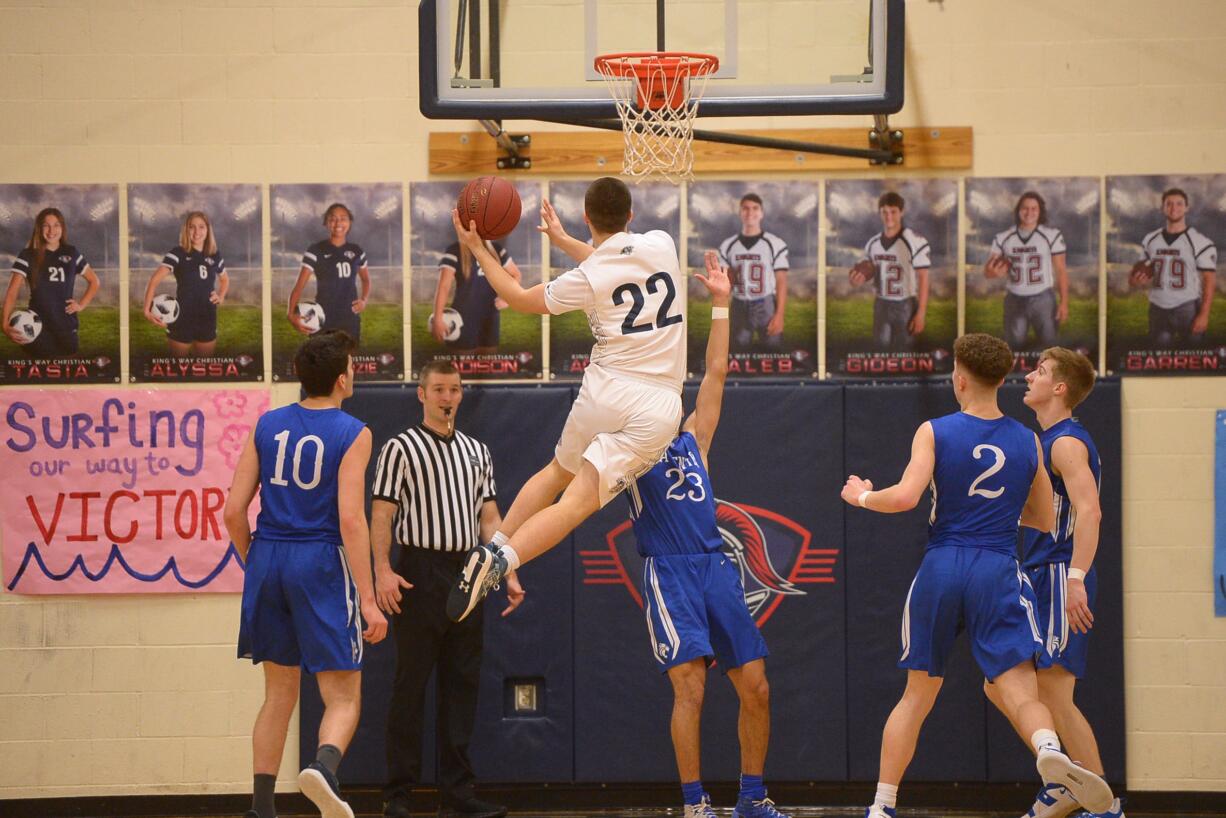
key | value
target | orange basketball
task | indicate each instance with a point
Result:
(493, 203)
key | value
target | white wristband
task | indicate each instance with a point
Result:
(1076, 573)
(718, 313)
(862, 500)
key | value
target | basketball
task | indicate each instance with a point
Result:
(493, 203)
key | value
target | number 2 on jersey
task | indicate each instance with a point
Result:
(663, 319)
(977, 453)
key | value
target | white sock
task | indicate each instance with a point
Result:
(1044, 739)
(887, 795)
(508, 554)
(500, 539)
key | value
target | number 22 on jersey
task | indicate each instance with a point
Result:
(639, 301)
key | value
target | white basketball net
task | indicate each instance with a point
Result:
(657, 98)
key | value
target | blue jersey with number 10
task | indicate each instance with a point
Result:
(980, 481)
(672, 506)
(300, 452)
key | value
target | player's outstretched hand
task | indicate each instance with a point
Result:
(515, 593)
(376, 623)
(387, 589)
(1078, 607)
(467, 235)
(550, 224)
(716, 280)
(854, 487)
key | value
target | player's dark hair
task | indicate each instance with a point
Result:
(39, 246)
(1174, 191)
(752, 197)
(1039, 200)
(891, 199)
(337, 206)
(1072, 369)
(321, 359)
(437, 366)
(987, 358)
(607, 204)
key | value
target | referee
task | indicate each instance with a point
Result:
(434, 487)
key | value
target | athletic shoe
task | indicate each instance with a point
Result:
(483, 569)
(746, 808)
(319, 784)
(1053, 801)
(1090, 790)
(700, 810)
(879, 812)
(1116, 811)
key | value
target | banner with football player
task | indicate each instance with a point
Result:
(1032, 264)
(121, 491)
(1165, 299)
(196, 291)
(456, 314)
(766, 237)
(60, 246)
(891, 277)
(338, 263)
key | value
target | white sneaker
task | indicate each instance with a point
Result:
(1091, 792)
(1116, 811)
(700, 810)
(1053, 801)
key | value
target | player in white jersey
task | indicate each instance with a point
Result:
(757, 263)
(629, 406)
(1179, 299)
(897, 260)
(1031, 254)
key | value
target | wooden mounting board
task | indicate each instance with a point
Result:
(600, 152)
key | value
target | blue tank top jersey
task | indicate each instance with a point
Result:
(300, 453)
(672, 506)
(1041, 547)
(982, 477)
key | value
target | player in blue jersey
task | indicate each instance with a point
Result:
(308, 598)
(334, 262)
(986, 474)
(201, 283)
(1060, 563)
(692, 592)
(50, 266)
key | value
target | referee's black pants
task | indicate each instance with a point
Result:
(425, 639)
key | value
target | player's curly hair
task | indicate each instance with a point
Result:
(39, 246)
(1039, 200)
(987, 358)
(1072, 369)
(321, 359)
(607, 204)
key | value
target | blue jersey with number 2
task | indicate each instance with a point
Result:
(672, 505)
(300, 452)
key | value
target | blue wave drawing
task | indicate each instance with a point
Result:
(116, 556)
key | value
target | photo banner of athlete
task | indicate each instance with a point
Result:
(456, 314)
(1219, 515)
(766, 236)
(1165, 299)
(891, 277)
(121, 491)
(338, 263)
(196, 283)
(655, 207)
(1032, 264)
(60, 247)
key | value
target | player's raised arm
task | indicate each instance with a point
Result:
(906, 493)
(1040, 511)
(710, 400)
(531, 300)
(242, 492)
(551, 226)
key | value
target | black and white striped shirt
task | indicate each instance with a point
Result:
(439, 485)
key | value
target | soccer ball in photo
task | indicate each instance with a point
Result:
(166, 307)
(312, 315)
(452, 320)
(28, 323)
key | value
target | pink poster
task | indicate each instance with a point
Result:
(111, 491)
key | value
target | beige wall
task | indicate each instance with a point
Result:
(140, 695)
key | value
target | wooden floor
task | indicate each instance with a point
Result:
(796, 812)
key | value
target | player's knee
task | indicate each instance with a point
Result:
(757, 693)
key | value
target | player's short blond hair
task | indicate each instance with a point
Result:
(1072, 369)
(985, 357)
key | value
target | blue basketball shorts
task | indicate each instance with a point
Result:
(981, 591)
(1061, 646)
(695, 606)
(300, 607)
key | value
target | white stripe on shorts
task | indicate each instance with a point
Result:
(666, 619)
(1022, 579)
(351, 606)
(906, 622)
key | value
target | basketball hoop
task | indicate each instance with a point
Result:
(657, 95)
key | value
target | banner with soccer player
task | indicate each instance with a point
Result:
(766, 237)
(60, 246)
(1166, 303)
(120, 492)
(338, 263)
(891, 277)
(196, 286)
(655, 207)
(456, 314)
(1032, 264)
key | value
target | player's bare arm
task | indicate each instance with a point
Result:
(1071, 460)
(438, 328)
(161, 272)
(489, 523)
(303, 275)
(218, 295)
(364, 278)
(531, 300)
(1061, 268)
(916, 325)
(705, 418)
(781, 299)
(1039, 512)
(351, 505)
(551, 226)
(242, 491)
(907, 492)
(1208, 281)
(75, 305)
(10, 301)
(387, 582)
